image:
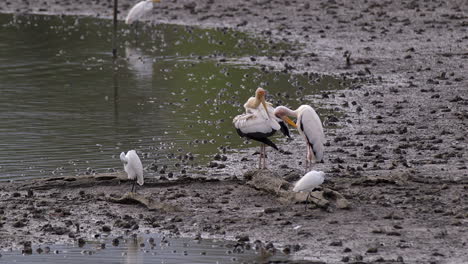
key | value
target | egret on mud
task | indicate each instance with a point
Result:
(310, 127)
(309, 182)
(138, 10)
(133, 167)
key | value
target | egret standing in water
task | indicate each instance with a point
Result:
(310, 127)
(139, 10)
(309, 182)
(133, 167)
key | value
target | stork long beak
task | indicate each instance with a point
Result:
(289, 121)
(265, 106)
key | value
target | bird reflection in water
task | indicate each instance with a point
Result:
(133, 255)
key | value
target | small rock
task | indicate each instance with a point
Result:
(106, 229)
(243, 238)
(213, 164)
(19, 224)
(336, 244)
(270, 210)
(372, 250)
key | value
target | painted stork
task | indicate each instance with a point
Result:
(310, 127)
(254, 103)
(259, 123)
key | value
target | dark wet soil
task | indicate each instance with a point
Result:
(398, 153)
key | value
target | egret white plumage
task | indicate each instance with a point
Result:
(140, 9)
(309, 182)
(310, 127)
(133, 167)
(259, 123)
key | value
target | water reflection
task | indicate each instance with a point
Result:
(68, 108)
(133, 255)
(146, 248)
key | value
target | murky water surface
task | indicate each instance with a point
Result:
(66, 107)
(142, 249)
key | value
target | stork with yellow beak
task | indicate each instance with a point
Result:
(254, 103)
(309, 125)
(138, 10)
(259, 123)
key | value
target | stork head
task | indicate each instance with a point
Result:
(283, 112)
(260, 96)
(260, 93)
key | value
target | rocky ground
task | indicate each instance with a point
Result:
(398, 154)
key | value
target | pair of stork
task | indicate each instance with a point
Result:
(261, 120)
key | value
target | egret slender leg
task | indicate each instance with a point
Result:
(307, 199)
(133, 186)
(264, 156)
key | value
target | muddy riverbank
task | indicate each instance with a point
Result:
(398, 153)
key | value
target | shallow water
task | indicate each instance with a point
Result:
(67, 108)
(141, 250)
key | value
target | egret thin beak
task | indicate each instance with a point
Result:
(289, 121)
(265, 106)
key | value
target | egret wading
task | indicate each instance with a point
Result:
(139, 10)
(259, 123)
(310, 127)
(133, 167)
(309, 182)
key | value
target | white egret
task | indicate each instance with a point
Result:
(140, 9)
(309, 182)
(310, 127)
(133, 167)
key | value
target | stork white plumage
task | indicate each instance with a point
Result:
(254, 103)
(309, 182)
(139, 10)
(310, 127)
(257, 126)
(259, 123)
(133, 167)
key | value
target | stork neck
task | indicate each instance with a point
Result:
(289, 112)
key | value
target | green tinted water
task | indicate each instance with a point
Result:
(67, 108)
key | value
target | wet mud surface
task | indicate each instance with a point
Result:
(398, 152)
